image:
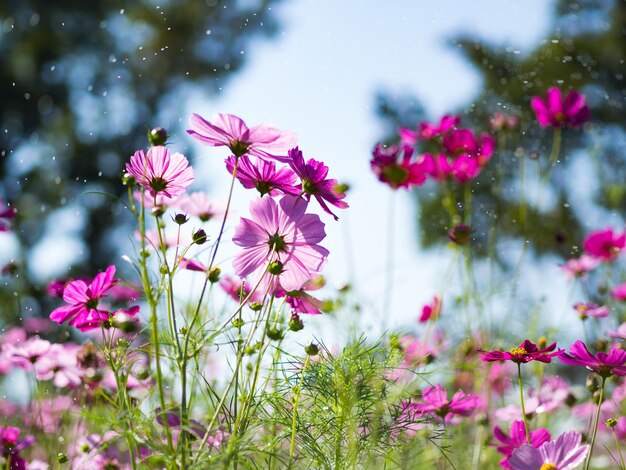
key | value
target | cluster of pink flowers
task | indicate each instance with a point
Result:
(453, 153)
(280, 241)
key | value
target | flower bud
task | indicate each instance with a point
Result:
(158, 210)
(275, 334)
(238, 323)
(611, 422)
(312, 349)
(180, 218)
(127, 179)
(62, 458)
(199, 237)
(157, 136)
(592, 383)
(295, 323)
(214, 274)
(275, 268)
(256, 306)
(460, 234)
(601, 345)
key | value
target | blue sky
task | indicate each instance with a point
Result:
(319, 77)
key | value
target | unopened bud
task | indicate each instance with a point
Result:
(199, 237)
(180, 218)
(295, 323)
(275, 334)
(157, 136)
(611, 422)
(460, 234)
(214, 274)
(275, 268)
(312, 349)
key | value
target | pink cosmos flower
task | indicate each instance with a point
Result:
(427, 131)
(227, 130)
(500, 121)
(314, 182)
(431, 311)
(604, 245)
(191, 265)
(161, 173)
(579, 267)
(238, 290)
(619, 333)
(509, 443)
(395, 166)
(7, 214)
(11, 444)
(465, 168)
(28, 353)
(282, 234)
(556, 112)
(552, 395)
(619, 293)
(604, 364)
(301, 301)
(588, 309)
(263, 176)
(84, 299)
(61, 366)
(200, 205)
(566, 453)
(525, 352)
(436, 403)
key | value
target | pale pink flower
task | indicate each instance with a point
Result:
(227, 130)
(565, 453)
(200, 205)
(579, 267)
(161, 173)
(280, 233)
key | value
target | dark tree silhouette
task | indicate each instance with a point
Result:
(585, 52)
(80, 84)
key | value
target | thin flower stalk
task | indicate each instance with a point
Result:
(296, 399)
(596, 423)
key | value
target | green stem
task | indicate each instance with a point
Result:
(521, 397)
(154, 327)
(556, 149)
(292, 446)
(595, 427)
(619, 449)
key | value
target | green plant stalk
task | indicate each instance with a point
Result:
(619, 449)
(154, 327)
(595, 427)
(521, 397)
(238, 363)
(292, 446)
(171, 314)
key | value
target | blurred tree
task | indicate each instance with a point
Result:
(80, 83)
(584, 52)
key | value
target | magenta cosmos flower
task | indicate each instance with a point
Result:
(589, 309)
(436, 402)
(565, 453)
(238, 289)
(282, 234)
(160, 173)
(431, 311)
(517, 438)
(7, 214)
(619, 293)
(579, 267)
(556, 112)
(428, 131)
(396, 166)
(263, 176)
(604, 364)
(11, 445)
(314, 182)
(227, 130)
(525, 352)
(83, 310)
(604, 245)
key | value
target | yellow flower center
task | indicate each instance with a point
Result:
(548, 466)
(518, 351)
